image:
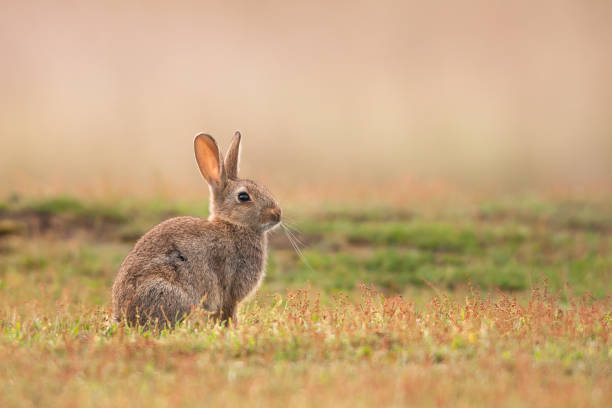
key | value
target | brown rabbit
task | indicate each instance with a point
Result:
(189, 262)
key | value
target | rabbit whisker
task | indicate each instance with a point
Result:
(294, 233)
(295, 246)
(295, 238)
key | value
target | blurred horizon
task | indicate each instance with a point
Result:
(362, 97)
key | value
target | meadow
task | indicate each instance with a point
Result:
(494, 302)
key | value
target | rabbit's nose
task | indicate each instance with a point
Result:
(276, 213)
(272, 214)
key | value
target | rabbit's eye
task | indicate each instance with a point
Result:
(243, 197)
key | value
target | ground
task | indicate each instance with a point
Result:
(494, 302)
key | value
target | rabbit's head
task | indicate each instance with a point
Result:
(237, 201)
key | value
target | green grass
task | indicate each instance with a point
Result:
(493, 246)
(504, 247)
(505, 303)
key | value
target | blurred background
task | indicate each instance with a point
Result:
(342, 96)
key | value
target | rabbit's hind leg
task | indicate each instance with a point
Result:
(158, 302)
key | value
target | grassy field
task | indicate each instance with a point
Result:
(503, 302)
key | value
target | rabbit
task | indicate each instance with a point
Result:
(189, 262)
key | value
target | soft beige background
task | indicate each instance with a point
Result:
(109, 96)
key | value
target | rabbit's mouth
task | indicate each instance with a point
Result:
(270, 225)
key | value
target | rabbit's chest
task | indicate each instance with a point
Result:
(246, 269)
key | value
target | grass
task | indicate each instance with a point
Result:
(294, 350)
(503, 303)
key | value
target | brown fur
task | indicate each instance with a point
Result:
(188, 262)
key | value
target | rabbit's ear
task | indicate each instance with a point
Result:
(209, 160)
(232, 157)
